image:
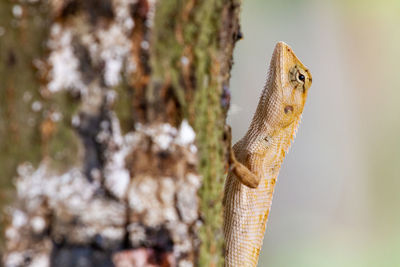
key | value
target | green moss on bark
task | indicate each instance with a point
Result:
(194, 36)
(167, 50)
(32, 125)
(21, 43)
(63, 145)
(123, 106)
(209, 123)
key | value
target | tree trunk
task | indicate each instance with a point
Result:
(111, 119)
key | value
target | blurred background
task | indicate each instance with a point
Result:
(338, 194)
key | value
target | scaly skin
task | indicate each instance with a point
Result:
(256, 158)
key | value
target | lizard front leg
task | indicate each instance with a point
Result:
(243, 173)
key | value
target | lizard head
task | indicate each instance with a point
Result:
(287, 87)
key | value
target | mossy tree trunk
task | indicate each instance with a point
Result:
(111, 121)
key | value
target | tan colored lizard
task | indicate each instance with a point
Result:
(255, 159)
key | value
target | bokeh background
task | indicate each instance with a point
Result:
(337, 200)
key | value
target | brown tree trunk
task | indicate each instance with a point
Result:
(111, 119)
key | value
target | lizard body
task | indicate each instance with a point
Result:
(256, 158)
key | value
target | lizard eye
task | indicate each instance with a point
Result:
(297, 75)
(301, 77)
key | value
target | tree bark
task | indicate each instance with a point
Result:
(111, 119)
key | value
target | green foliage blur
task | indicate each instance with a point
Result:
(337, 199)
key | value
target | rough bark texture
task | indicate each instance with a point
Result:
(111, 118)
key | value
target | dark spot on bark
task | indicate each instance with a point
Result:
(95, 9)
(58, 241)
(98, 241)
(144, 110)
(71, 8)
(238, 35)
(11, 59)
(288, 109)
(80, 256)
(159, 239)
(158, 244)
(140, 9)
(88, 130)
(225, 97)
(164, 105)
(98, 9)
(27, 260)
(144, 58)
(89, 72)
(163, 154)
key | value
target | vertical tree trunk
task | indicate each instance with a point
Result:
(114, 113)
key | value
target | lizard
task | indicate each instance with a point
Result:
(255, 160)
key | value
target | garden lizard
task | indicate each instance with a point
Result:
(255, 159)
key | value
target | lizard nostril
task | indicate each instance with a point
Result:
(288, 109)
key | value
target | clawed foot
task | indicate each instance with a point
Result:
(244, 175)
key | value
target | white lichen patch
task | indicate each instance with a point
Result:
(96, 218)
(180, 235)
(137, 234)
(14, 259)
(2, 31)
(185, 61)
(17, 11)
(109, 46)
(165, 135)
(151, 13)
(150, 208)
(44, 186)
(78, 213)
(116, 175)
(117, 180)
(92, 99)
(165, 200)
(186, 134)
(81, 215)
(42, 260)
(19, 218)
(185, 263)
(187, 198)
(64, 72)
(114, 47)
(38, 224)
(12, 233)
(36, 106)
(33, 255)
(75, 120)
(122, 14)
(154, 211)
(56, 116)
